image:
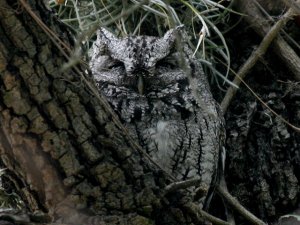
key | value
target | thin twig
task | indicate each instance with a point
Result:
(238, 207)
(270, 18)
(261, 26)
(268, 107)
(182, 185)
(201, 215)
(255, 56)
(293, 4)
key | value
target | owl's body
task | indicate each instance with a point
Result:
(146, 86)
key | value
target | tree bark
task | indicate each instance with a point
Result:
(66, 157)
(263, 160)
(63, 152)
(263, 152)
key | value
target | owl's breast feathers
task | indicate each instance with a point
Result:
(171, 127)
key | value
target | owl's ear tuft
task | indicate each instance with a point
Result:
(164, 45)
(105, 36)
(171, 35)
(111, 44)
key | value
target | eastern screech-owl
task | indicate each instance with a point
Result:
(161, 94)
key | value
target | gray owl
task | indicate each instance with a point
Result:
(161, 94)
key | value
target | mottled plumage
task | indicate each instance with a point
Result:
(147, 82)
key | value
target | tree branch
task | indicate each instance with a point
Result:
(238, 207)
(183, 184)
(293, 4)
(201, 215)
(255, 56)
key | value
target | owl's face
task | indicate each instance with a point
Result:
(136, 60)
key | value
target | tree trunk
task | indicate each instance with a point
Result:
(66, 157)
(263, 160)
(63, 152)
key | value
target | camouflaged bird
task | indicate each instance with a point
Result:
(161, 94)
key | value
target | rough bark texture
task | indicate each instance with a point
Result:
(263, 157)
(62, 150)
(263, 160)
(66, 156)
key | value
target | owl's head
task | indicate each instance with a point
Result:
(138, 54)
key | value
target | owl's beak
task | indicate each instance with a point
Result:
(140, 84)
